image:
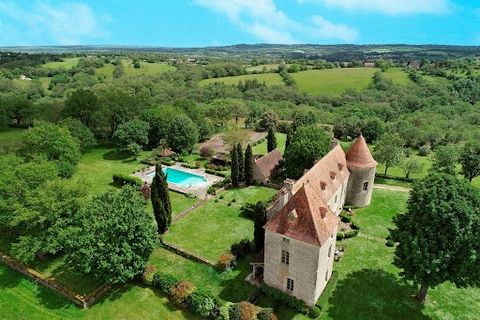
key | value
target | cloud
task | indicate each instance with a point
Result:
(327, 29)
(64, 24)
(262, 19)
(390, 7)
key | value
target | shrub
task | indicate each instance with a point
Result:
(181, 291)
(241, 248)
(164, 281)
(201, 303)
(390, 243)
(146, 191)
(217, 173)
(340, 236)
(224, 312)
(345, 217)
(314, 312)
(266, 314)
(167, 161)
(235, 312)
(351, 234)
(190, 166)
(354, 226)
(281, 296)
(124, 179)
(191, 195)
(149, 274)
(424, 150)
(234, 200)
(226, 261)
(248, 311)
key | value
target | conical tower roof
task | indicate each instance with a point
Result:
(359, 156)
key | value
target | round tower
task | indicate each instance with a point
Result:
(362, 169)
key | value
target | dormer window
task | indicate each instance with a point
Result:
(333, 175)
(323, 185)
(340, 166)
(323, 212)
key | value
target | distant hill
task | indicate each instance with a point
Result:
(308, 51)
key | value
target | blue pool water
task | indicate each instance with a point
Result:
(182, 178)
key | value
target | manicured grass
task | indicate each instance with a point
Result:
(23, 299)
(229, 285)
(212, 228)
(262, 147)
(398, 172)
(376, 218)
(98, 165)
(270, 79)
(398, 76)
(67, 63)
(332, 82)
(10, 137)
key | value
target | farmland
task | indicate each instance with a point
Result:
(270, 79)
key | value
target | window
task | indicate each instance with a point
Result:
(290, 284)
(285, 257)
(286, 240)
(330, 251)
(326, 276)
(365, 186)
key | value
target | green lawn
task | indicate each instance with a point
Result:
(262, 147)
(398, 172)
(332, 82)
(10, 137)
(398, 76)
(23, 299)
(211, 229)
(229, 285)
(67, 63)
(270, 79)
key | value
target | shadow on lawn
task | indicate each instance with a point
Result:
(373, 294)
(117, 155)
(237, 289)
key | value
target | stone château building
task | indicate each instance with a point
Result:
(301, 231)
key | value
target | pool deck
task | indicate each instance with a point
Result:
(199, 191)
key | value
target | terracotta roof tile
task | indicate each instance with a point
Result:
(359, 156)
(305, 217)
(268, 162)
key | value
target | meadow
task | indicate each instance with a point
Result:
(67, 63)
(331, 82)
(270, 79)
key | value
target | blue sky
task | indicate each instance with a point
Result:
(184, 23)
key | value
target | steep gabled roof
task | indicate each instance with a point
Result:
(330, 172)
(305, 217)
(268, 162)
(359, 156)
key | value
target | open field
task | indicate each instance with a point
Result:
(106, 71)
(146, 68)
(262, 147)
(332, 82)
(270, 79)
(398, 76)
(225, 225)
(269, 67)
(67, 63)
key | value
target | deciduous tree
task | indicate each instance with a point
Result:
(182, 134)
(438, 235)
(470, 160)
(389, 151)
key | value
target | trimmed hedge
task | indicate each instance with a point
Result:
(167, 161)
(124, 179)
(190, 166)
(281, 296)
(217, 173)
(314, 312)
(164, 281)
(345, 217)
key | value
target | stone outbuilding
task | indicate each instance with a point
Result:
(265, 167)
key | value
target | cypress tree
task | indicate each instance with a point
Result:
(241, 164)
(160, 197)
(234, 167)
(260, 219)
(271, 139)
(248, 166)
(289, 138)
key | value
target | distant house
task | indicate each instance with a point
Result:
(369, 64)
(25, 78)
(265, 167)
(166, 153)
(414, 64)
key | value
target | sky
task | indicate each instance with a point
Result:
(199, 23)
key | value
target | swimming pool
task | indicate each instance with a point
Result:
(182, 178)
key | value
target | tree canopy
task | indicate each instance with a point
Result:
(438, 235)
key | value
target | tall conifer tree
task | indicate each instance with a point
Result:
(234, 167)
(248, 165)
(160, 197)
(241, 164)
(271, 139)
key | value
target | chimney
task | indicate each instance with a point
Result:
(288, 185)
